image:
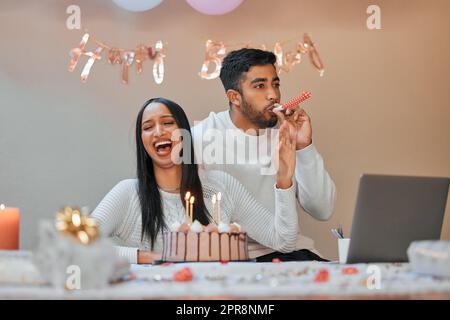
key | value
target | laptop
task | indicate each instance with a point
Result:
(393, 211)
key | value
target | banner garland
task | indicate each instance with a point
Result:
(123, 57)
(214, 54)
(216, 51)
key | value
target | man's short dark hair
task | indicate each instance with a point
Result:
(237, 62)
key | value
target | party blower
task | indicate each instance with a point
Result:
(288, 106)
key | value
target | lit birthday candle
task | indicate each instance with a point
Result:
(219, 197)
(9, 228)
(186, 198)
(192, 208)
(214, 198)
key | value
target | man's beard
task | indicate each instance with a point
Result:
(257, 117)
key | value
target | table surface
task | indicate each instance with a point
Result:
(238, 280)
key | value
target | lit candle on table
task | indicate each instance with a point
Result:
(186, 198)
(213, 206)
(219, 197)
(9, 228)
(192, 207)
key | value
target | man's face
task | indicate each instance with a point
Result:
(260, 90)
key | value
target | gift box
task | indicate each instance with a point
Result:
(72, 255)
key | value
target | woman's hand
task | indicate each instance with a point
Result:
(147, 257)
(286, 154)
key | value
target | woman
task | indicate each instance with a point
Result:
(136, 211)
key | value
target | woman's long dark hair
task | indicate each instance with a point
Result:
(149, 196)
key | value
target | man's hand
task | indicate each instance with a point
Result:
(301, 124)
(286, 157)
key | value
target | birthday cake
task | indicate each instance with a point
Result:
(195, 242)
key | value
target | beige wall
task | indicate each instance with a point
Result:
(382, 106)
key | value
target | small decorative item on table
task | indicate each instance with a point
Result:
(73, 246)
(322, 276)
(349, 270)
(430, 257)
(9, 228)
(183, 275)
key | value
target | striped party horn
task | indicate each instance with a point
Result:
(294, 102)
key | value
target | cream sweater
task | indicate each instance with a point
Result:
(315, 190)
(119, 215)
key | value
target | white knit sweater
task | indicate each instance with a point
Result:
(119, 215)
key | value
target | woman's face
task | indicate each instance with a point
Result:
(157, 128)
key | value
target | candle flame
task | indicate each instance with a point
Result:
(2, 206)
(76, 220)
(214, 199)
(219, 196)
(187, 196)
(83, 236)
(192, 199)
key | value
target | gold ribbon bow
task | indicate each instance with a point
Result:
(72, 223)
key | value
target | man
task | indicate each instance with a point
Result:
(253, 88)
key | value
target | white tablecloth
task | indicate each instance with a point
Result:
(232, 280)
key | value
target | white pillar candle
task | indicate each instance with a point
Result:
(214, 198)
(219, 197)
(186, 198)
(192, 208)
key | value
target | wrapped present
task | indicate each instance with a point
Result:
(72, 254)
